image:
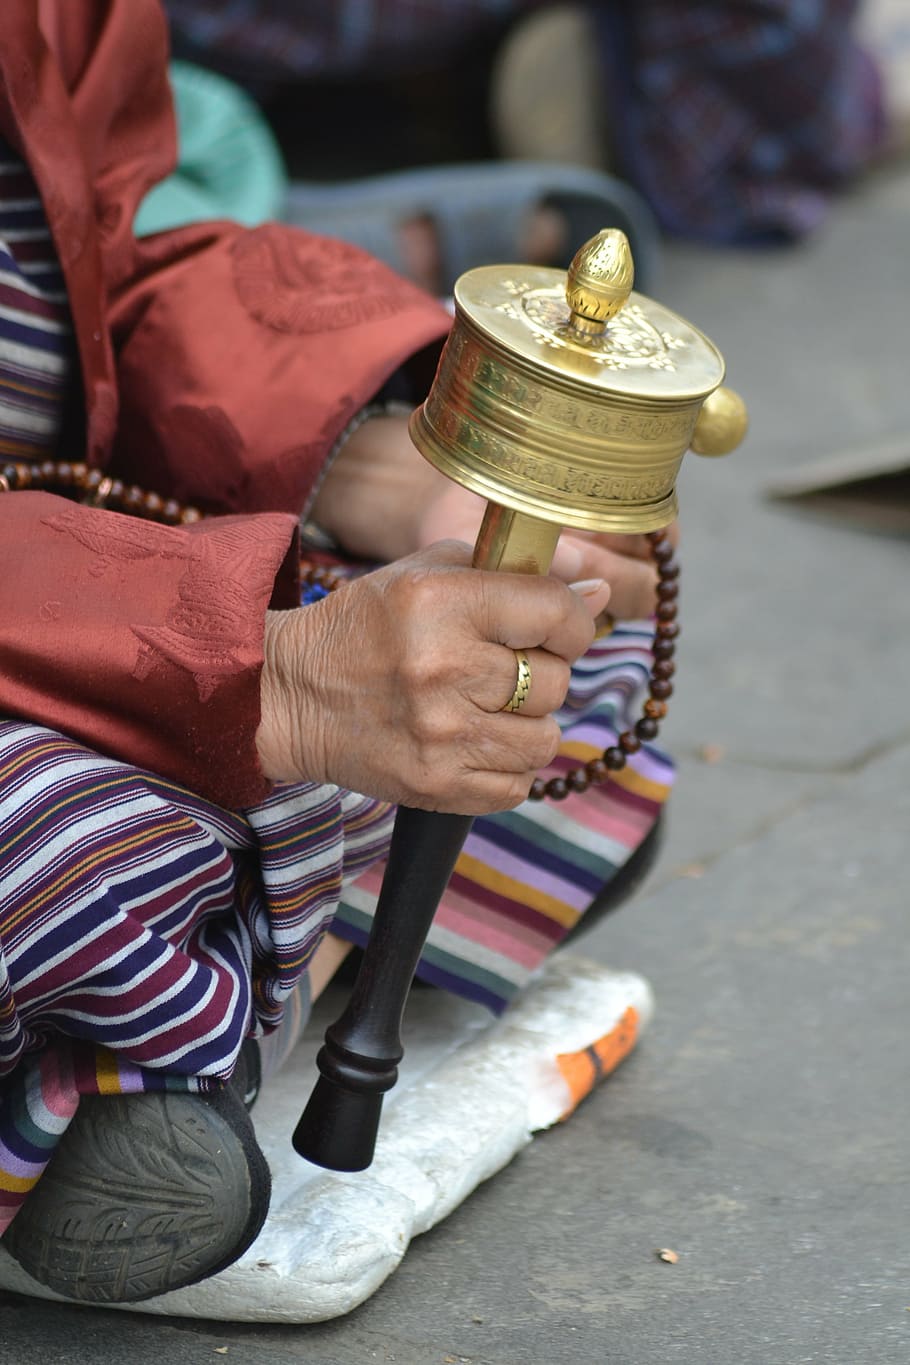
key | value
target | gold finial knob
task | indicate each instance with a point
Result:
(722, 423)
(599, 280)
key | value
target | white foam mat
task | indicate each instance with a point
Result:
(472, 1093)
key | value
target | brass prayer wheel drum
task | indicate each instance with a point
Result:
(569, 398)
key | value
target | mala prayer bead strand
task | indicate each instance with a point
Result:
(96, 489)
(99, 490)
(660, 688)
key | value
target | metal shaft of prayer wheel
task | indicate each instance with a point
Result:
(564, 400)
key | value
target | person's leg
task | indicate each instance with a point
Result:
(148, 933)
(145, 1193)
(204, 1182)
(121, 953)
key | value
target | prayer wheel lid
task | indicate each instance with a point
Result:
(586, 327)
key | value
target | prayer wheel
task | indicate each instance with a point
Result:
(566, 400)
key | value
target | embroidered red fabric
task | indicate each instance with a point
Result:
(218, 366)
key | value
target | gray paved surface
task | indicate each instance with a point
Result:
(761, 1129)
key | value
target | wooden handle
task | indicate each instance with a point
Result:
(359, 1060)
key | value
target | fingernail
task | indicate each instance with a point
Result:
(587, 587)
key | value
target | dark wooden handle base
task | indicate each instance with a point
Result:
(359, 1061)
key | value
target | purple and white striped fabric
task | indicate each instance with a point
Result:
(35, 335)
(137, 917)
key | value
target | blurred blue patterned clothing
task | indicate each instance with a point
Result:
(271, 40)
(736, 121)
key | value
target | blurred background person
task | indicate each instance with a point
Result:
(732, 123)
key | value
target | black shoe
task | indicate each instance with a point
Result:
(145, 1193)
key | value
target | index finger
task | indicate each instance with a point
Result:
(525, 611)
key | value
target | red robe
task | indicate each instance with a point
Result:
(218, 366)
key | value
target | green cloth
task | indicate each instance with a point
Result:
(229, 163)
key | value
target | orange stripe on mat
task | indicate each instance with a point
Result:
(582, 1070)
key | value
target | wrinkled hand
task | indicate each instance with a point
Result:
(394, 684)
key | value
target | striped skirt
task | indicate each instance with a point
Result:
(144, 933)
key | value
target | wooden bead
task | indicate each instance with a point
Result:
(538, 790)
(629, 742)
(669, 570)
(663, 668)
(151, 506)
(615, 758)
(171, 510)
(668, 592)
(597, 770)
(667, 611)
(661, 689)
(663, 552)
(189, 516)
(557, 788)
(669, 630)
(663, 649)
(655, 709)
(578, 780)
(646, 728)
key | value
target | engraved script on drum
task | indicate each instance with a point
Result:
(465, 360)
(549, 476)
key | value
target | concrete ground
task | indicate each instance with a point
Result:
(761, 1128)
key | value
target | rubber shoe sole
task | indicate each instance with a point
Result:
(144, 1194)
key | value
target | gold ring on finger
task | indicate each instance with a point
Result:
(522, 683)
